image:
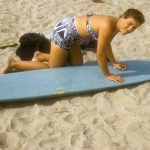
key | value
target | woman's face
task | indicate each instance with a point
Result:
(128, 25)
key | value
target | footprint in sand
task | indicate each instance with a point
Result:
(98, 1)
(8, 140)
(69, 118)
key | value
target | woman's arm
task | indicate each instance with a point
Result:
(113, 61)
(110, 55)
(104, 39)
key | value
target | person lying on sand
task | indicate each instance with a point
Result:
(67, 33)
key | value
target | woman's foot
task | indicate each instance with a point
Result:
(8, 67)
(38, 56)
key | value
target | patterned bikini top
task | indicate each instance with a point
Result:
(92, 34)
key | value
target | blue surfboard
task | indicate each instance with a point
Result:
(56, 82)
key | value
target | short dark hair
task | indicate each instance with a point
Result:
(135, 13)
(29, 43)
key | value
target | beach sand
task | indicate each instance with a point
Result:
(117, 119)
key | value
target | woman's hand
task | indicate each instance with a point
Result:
(121, 67)
(115, 78)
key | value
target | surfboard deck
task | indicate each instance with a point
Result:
(54, 82)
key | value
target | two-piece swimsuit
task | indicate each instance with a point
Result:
(65, 33)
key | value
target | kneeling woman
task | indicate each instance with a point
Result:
(67, 33)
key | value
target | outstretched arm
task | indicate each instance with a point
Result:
(104, 39)
(110, 55)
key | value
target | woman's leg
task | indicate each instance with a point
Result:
(57, 57)
(75, 54)
(22, 65)
(41, 57)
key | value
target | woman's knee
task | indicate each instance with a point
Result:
(77, 63)
(53, 65)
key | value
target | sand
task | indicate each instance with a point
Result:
(116, 119)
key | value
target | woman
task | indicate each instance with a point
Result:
(67, 33)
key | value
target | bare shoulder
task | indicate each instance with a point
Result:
(107, 22)
(107, 28)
